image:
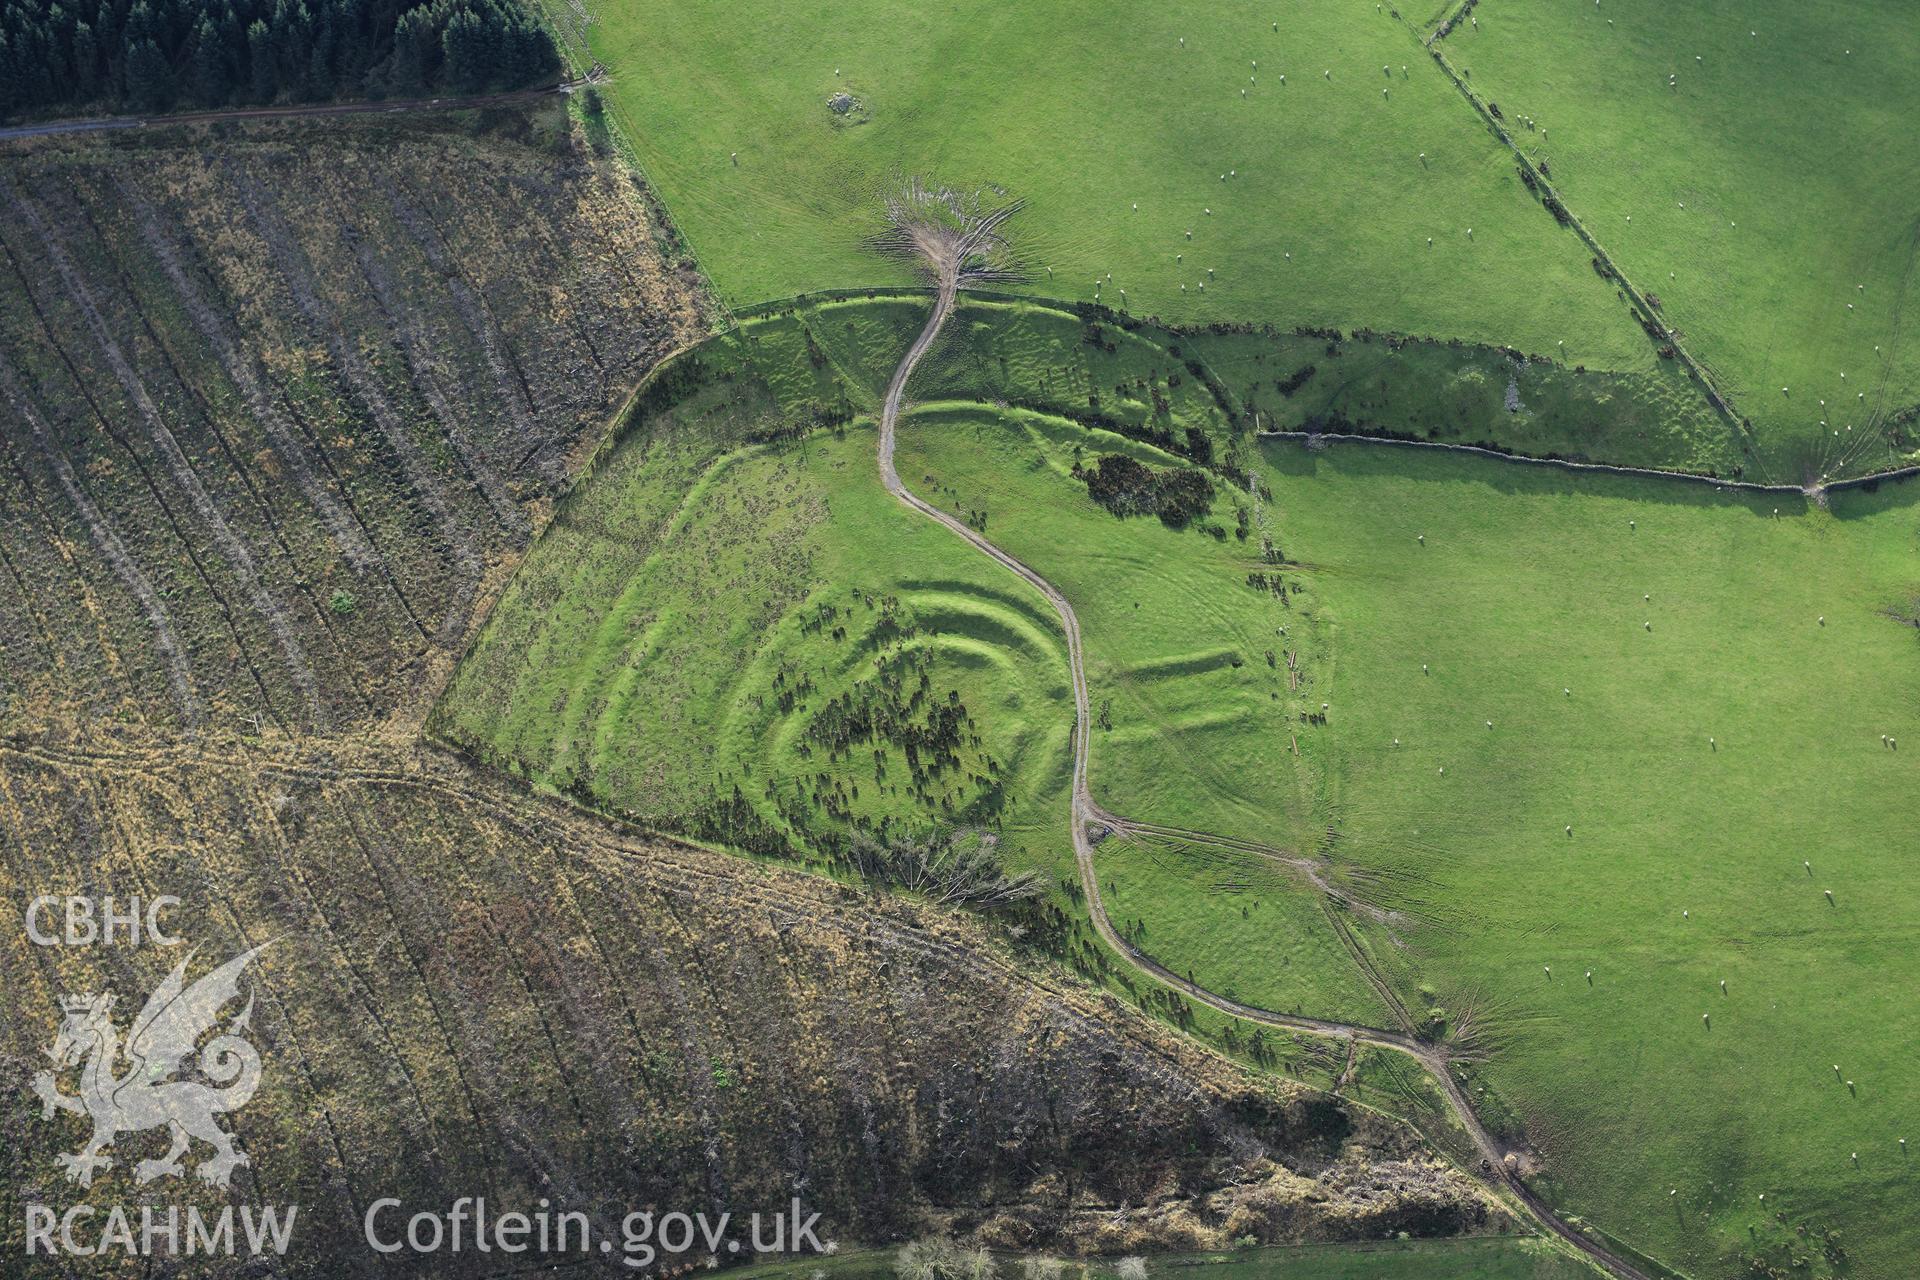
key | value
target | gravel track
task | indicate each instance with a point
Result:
(948, 254)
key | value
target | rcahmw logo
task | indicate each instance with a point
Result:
(177, 1068)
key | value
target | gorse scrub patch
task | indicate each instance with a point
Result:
(1128, 487)
(162, 54)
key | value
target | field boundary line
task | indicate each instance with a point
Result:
(571, 41)
(1815, 491)
(1636, 299)
(876, 293)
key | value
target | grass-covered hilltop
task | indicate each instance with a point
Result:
(1526, 760)
(1269, 641)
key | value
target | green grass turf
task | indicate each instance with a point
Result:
(1035, 353)
(1085, 116)
(680, 636)
(1531, 582)
(1193, 723)
(1456, 395)
(1236, 925)
(1790, 142)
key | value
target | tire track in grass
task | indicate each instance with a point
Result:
(949, 253)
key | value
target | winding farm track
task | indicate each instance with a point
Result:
(948, 255)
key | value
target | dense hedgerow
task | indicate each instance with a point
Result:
(155, 55)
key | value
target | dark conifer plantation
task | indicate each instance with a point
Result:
(157, 55)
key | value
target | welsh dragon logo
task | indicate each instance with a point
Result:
(144, 1096)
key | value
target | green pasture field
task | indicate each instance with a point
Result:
(1701, 764)
(1236, 925)
(1321, 205)
(1263, 379)
(1472, 395)
(1773, 190)
(1694, 684)
(1532, 582)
